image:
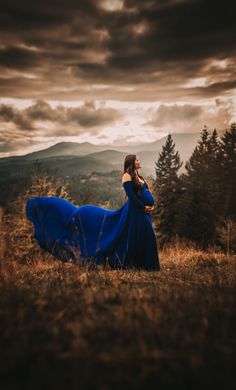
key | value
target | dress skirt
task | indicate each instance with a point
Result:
(124, 237)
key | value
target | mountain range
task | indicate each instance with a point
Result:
(71, 158)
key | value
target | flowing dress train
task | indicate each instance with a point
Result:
(90, 233)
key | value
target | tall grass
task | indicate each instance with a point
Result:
(69, 326)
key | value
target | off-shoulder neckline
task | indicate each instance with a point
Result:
(126, 181)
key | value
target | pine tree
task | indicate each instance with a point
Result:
(166, 190)
(199, 158)
(203, 189)
(215, 184)
(228, 172)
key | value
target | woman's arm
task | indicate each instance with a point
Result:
(128, 186)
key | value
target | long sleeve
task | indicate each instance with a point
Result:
(128, 186)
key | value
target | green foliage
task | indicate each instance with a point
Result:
(210, 183)
(202, 189)
(167, 190)
(195, 204)
(101, 189)
(228, 171)
(192, 205)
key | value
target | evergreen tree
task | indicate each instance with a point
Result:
(228, 172)
(202, 192)
(166, 191)
(215, 183)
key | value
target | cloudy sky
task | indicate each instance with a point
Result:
(114, 71)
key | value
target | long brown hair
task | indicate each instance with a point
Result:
(129, 167)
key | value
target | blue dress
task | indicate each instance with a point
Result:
(124, 237)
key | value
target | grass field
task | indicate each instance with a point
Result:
(67, 327)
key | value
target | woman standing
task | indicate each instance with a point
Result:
(142, 246)
(124, 237)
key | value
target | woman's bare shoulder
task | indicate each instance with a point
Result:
(126, 177)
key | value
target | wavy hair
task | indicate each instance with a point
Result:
(129, 167)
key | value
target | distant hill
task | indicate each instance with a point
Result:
(71, 158)
(59, 166)
(83, 162)
(65, 149)
(110, 156)
(182, 141)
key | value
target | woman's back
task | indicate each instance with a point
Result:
(127, 177)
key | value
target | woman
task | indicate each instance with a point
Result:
(124, 237)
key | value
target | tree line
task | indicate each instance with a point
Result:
(199, 204)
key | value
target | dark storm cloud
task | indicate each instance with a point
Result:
(152, 45)
(176, 113)
(86, 116)
(19, 58)
(64, 122)
(10, 114)
(175, 33)
(15, 143)
(187, 116)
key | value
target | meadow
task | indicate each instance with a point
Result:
(64, 326)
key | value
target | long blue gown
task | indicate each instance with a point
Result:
(125, 237)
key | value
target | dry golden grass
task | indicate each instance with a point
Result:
(65, 326)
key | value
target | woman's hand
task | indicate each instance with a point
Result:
(148, 209)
